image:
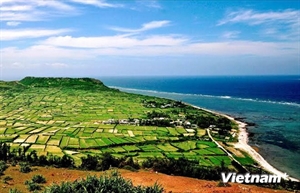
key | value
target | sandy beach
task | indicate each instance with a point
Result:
(243, 145)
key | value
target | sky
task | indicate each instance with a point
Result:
(94, 38)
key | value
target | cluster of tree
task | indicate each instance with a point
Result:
(105, 183)
(106, 161)
(157, 114)
(205, 121)
(163, 104)
(185, 167)
(181, 166)
(155, 122)
(20, 155)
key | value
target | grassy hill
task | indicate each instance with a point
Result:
(74, 83)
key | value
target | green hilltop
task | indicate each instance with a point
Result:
(79, 83)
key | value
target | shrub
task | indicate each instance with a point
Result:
(38, 179)
(3, 167)
(31, 186)
(106, 183)
(14, 190)
(7, 178)
(25, 167)
(130, 168)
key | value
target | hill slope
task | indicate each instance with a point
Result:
(79, 83)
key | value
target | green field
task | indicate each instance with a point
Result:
(61, 116)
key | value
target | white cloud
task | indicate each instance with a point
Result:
(231, 34)
(58, 65)
(16, 8)
(145, 27)
(22, 16)
(185, 48)
(54, 4)
(13, 23)
(33, 10)
(113, 41)
(255, 18)
(97, 3)
(7, 35)
(43, 53)
(17, 65)
(283, 25)
(150, 3)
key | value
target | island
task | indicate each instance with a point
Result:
(81, 123)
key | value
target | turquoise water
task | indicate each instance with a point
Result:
(277, 121)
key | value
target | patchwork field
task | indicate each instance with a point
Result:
(82, 116)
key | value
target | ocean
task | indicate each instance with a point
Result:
(272, 103)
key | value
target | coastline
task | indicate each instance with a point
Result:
(243, 145)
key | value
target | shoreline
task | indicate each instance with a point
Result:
(243, 145)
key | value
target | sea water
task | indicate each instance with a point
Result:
(271, 102)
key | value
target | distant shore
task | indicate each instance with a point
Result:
(243, 145)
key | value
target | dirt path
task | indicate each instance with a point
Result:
(170, 183)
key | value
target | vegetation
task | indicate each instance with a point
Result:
(106, 183)
(14, 190)
(32, 186)
(25, 167)
(3, 167)
(6, 179)
(38, 179)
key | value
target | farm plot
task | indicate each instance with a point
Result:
(173, 132)
(118, 149)
(107, 141)
(203, 152)
(54, 150)
(175, 155)
(204, 144)
(91, 143)
(8, 138)
(42, 139)
(167, 147)
(150, 154)
(119, 140)
(54, 140)
(40, 149)
(73, 143)
(130, 148)
(64, 142)
(32, 139)
(21, 139)
(151, 148)
(2, 130)
(26, 131)
(186, 145)
(100, 142)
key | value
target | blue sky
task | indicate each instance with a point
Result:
(148, 37)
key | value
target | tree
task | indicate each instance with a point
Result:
(67, 162)
(89, 162)
(4, 150)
